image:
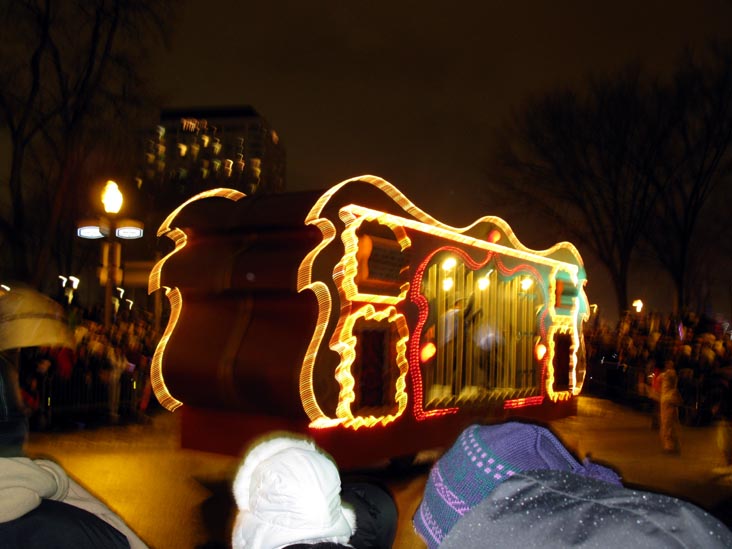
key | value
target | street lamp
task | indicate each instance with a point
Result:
(112, 198)
(109, 227)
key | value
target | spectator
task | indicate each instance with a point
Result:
(515, 485)
(40, 506)
(118, 364)
(560, 509)
(75, 519)
(288, 493)
(670, 400)
(481, 459)
(722, 412)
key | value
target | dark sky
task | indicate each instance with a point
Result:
(411, 91)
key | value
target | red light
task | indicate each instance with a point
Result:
(522, 402)
(427, 352)
(494, 236)
(540, 351)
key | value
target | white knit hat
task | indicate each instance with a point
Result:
(288, 491)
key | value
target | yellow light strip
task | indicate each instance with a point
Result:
(307, 393)
(179, 239)
(349, 263)
(449, 233)
(346, 270)
(408, 206)
(564, 324)
(173, 295)
(156, 367)
(325, 303)
(345, 346)
(358, 214)
(231, 194)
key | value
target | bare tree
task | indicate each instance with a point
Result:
(68, 83)
(588, 162)
(698, 165)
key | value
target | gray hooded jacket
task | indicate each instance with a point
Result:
(545, 509)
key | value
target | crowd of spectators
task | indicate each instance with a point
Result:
(630, 358)
(104, 379)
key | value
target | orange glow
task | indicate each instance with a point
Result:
(156, 367)
(175, 299)
(313, 218)
(427, 352)
(540, 351)
(349, 263)
(526, 283)
(560, 257)
(112, 198)
(522, 402)
(307, 394)
(564, 324)
(449, 264)
(456, 235)
(322, 295)
(230, 194)
(346, 347)
(331, 271)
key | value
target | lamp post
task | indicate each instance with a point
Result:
(110, 227)
(112, 200)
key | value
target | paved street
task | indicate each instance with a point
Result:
(177, 498)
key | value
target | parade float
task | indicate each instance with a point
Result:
(357, 318)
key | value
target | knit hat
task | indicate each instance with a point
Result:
(288, 491)
(482, 458)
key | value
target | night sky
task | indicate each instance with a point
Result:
(412, 91)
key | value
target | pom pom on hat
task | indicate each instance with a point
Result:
(481, 458)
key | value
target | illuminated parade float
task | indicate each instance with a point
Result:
(356, 317)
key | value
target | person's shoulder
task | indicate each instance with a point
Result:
(531, 506)
(62, 526)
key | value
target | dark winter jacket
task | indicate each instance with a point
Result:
(558, 509)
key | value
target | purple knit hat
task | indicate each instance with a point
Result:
(481, 458)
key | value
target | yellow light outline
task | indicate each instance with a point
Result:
(563, 324)
(174, 295)
(345, 345)
(353, 216)
(349, 264)
(345, 271)
(325, 304)
(314, 216)
(448, 233)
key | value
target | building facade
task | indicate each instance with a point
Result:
(194, 149)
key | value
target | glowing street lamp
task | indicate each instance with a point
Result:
(638, 305)
(108, 227)
(112, 198)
